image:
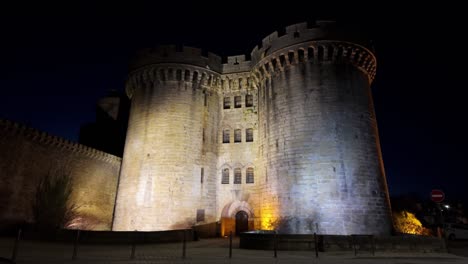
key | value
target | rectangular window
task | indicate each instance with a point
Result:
(248, 100)
(237, 101)
(226, 136)
(237, 176)
(227, 102)
(237, 136)
(225, 177)
(250, 175)
(200, 215)
(249, 135)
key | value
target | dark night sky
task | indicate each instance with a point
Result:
(57, 60)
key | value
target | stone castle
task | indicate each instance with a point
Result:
(286, 140)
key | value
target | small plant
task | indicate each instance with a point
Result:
(52, 207)
(407, 223)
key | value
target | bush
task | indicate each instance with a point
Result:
(51, 207)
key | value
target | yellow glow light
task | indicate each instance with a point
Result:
(407, 223)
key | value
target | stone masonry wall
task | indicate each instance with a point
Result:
(315, 151)
(241, 196)
(171, 137)
(28, 155)
(321, 158)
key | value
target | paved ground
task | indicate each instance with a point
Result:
(205, 251)
(458, 247)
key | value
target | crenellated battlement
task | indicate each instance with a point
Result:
(321, 42)
(198, 76)
(171, 54)
(323, 51)
(302, 32)
(236, 64)
(44, 138)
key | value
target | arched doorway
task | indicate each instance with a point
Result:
(232, 213)
(242, 222)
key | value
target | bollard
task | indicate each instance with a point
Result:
(15, 246)
(132, 256)
(373, 245)
(75, 246)
(275, 245)
(230, 244)
(316, 245)
(184, 245)
(354, 245)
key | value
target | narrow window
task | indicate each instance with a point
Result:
(203, 135)
(205, 99)
(237, 102)
(340, 53)
(248, 100)
(200, 215)
(227, 102)
(250, 175)
(282, 60)
(249, 135)
(225, 176)
(226, 136)
(237, 176)
(300, 54)
(320, 53)
(274, 62)
(310, 53)
(291, 57)
(330, 50)
(179, 75)
(202, 175)
(170, 74)
(237, 136)
(162, 74)
(349, 52)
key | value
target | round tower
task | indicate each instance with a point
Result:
(167, 175)
(321, 155)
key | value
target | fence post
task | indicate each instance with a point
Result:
(132, 256)
(316, 245)
(275, 245)
(184, 244)
(75, 245)
(354, 245)
(373, 245)
(15, 246)
(230, 244)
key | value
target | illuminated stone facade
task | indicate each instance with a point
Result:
(28, 155)
(289, 137)
(286, 140)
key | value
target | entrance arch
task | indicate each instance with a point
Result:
(242, 222)
(235, 215)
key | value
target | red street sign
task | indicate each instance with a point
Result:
(437, 196)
